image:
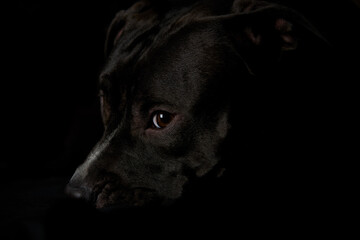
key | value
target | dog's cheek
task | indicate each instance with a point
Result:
(177, 181)
(176, 141)
(206, 153)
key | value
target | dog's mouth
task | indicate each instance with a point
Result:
(111, 194)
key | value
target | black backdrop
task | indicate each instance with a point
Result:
(50, 120)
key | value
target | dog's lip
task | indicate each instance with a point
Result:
(99, 188)
(112, 208)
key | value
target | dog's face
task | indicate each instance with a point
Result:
(165, 101)
(166, 122)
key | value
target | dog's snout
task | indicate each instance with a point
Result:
(77, 192)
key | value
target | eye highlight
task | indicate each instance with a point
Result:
(161, 119)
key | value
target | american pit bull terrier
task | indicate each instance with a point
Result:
(195, 92)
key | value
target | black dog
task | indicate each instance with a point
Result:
(194, 93)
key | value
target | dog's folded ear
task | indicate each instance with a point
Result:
(124, 19)
(261, 23)
(264, 32)
(114, 32)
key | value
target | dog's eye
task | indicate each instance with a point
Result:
(161, 119)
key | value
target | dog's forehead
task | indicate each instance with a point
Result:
(172, 68)
(180, 70)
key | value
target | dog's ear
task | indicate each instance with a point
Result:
(266, 24)
(114, 32)
(124, 19)
(264, 32)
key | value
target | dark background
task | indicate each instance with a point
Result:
(53, 54)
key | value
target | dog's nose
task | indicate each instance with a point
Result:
(76, 192)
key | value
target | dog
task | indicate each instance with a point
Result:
(197, 100)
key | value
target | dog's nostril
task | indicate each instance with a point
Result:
(77, 193)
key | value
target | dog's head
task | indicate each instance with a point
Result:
(174, 80)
